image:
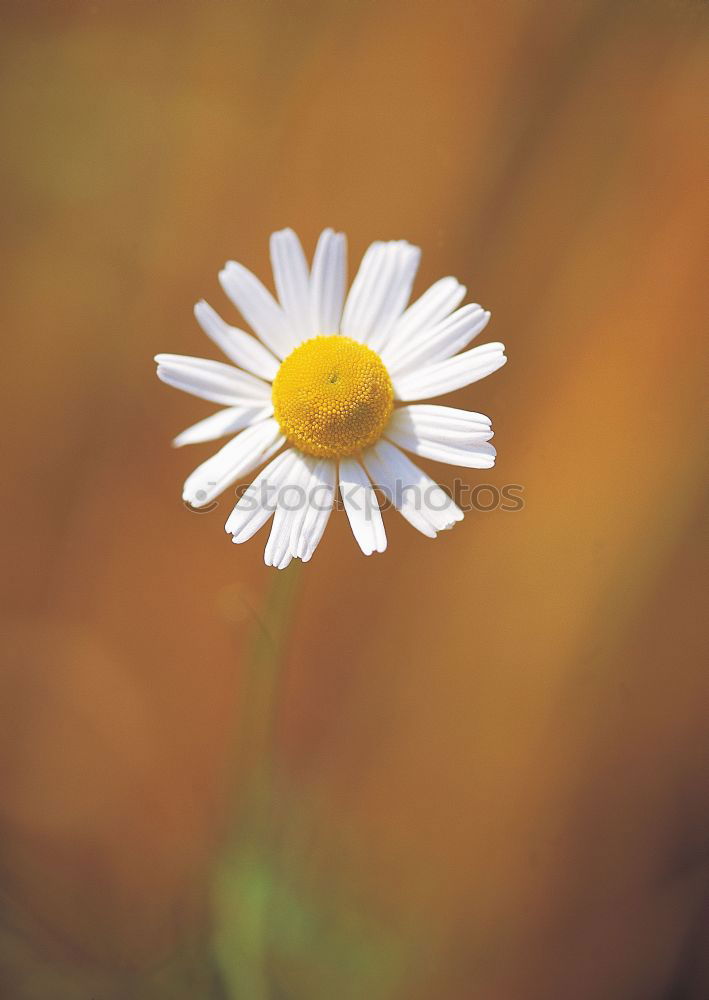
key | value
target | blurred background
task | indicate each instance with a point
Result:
(492, 750)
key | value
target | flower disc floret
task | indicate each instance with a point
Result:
(332, 396)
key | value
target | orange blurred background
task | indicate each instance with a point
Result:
(493, 748)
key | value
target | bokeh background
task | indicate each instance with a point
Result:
(492, 750)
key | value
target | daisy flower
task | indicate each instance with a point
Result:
(327, 391)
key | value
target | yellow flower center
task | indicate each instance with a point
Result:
(332, 396)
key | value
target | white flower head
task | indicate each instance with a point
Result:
(325, 393)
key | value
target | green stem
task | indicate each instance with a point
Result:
(266, 661)
(246, 879)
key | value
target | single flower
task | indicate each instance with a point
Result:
(333, 377)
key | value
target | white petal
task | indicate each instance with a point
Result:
(361, 506)
(355, 305)
(421, 501)
(228, 421)
(308, 465)
(455, 372)
(241, 348)
(290, 511)
(238, 457)
(327, 282)
(440, 341)
(321, 496)
(434, 305)
(380, 291)
(441, 423)
(212, 380)
(258, 307)
(258, 502)
(290, 273)
(477, 456)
